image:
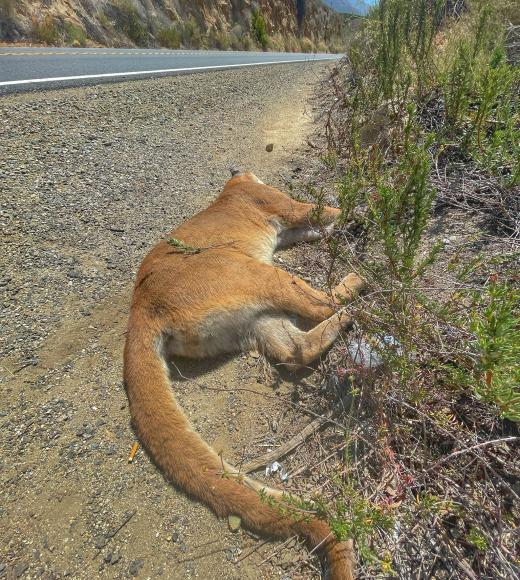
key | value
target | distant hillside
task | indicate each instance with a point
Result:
(349, 6)
(301, 25)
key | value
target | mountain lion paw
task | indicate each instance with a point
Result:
(349, 288)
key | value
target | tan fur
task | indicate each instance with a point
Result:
(224, 298)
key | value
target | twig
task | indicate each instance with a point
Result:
(255, 549)
(204, 555)
(116, 531)
(277, 550)
(470, 449)
(288, 446)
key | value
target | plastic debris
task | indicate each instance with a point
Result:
(276, 467)
(132, 453)
(365, 354)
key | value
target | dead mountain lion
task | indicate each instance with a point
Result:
(212, 290)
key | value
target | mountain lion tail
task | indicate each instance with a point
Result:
(195, 467)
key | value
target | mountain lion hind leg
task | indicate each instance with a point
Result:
(279, 338)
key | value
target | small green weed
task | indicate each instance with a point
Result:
(182, 247)
(477, 539)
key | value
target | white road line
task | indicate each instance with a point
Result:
(158, 71)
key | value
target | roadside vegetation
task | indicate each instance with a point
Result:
(423, 143)
(122, 21)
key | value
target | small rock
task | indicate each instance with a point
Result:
(269, 147)
(234, 523)
(135, 567)
(112, 558)
(99, 542)
(19, 569)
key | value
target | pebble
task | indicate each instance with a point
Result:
(20, 569)
(112, 558)
(234, 523)
(135, 567)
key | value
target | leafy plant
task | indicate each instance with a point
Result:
(496, 324)
(477, 539)
(400, 207)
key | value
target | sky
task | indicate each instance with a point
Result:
(359, 6)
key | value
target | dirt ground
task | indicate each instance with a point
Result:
(91, 178)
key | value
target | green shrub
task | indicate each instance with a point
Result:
(74, 34)
(103, 19)
(494, 124)
(132, 23)
(404, 42)
(258, 29)
(400, 208)
(481, 97)
(169, 37)
(191, 35)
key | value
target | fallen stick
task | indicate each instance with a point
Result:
(470, 450)
(111, 535)
(287, 447)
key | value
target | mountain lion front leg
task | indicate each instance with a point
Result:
(291, 294)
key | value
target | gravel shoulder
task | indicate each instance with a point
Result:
(90, 179)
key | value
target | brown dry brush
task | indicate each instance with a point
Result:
(426, 476)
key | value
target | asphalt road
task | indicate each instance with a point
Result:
(24, 69)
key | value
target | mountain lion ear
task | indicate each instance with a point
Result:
(240, 177)
(245, 175)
